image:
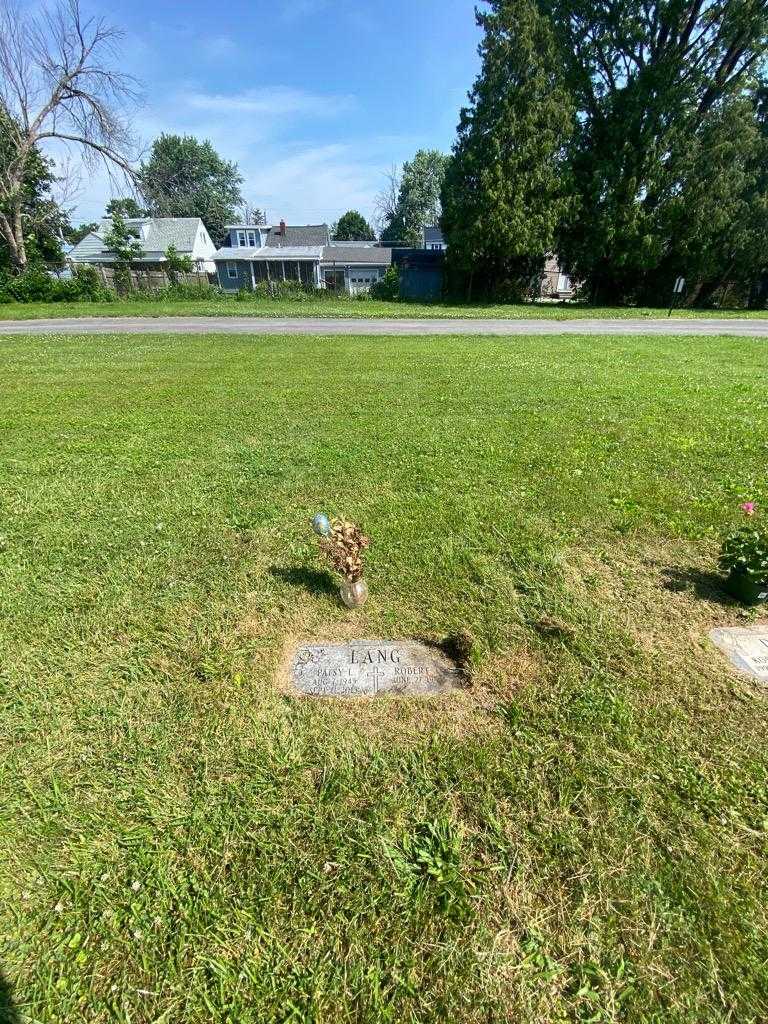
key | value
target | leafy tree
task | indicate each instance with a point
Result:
(653, 83)
(43, 221)
(420, 188)
(352, 226)
(394, 231)
(128, 207)
(176, 263)
(412, 201)
(503, 194)
(126, 249)
(187, 178)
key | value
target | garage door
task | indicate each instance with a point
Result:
(361, 280)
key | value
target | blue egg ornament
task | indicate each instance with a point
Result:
(321, 524)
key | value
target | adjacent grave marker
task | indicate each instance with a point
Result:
(365, 668)
(747, 648)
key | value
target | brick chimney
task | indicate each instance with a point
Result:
(282, 228)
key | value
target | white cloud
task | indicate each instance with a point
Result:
(271, 101)
(315, 183)
(290, 168)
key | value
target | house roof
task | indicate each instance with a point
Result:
(433, 234)
(159, 233)
(299, 234)
(418, 257)
(165, 231)
(270, 252)
(363, 243)
(362, 254)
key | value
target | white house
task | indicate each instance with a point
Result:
(433, 240)
(555, 284)
(188, 234)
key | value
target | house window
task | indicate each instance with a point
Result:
(231, 270)
(252, 239)
(241, 238)
(563, 283)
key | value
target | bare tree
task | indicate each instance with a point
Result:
(386, 203)
(253, 215)
(57, 81)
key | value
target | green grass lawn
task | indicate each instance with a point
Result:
(369, 309)
(578, 836)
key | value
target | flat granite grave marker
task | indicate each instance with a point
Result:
(366, 668)
(746, 647)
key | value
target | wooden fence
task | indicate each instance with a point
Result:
(154, 280)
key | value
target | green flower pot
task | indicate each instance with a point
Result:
(746, 589)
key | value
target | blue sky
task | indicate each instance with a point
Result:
(314, 99)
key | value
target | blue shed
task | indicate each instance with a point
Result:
(421, 272)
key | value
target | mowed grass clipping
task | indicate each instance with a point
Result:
(220, 304)
(578, 836)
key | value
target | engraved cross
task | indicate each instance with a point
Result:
(376, 673)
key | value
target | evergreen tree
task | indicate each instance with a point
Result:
(187, 178)
(352, 226)
(503, 195)
(714, 226)
(656, 85)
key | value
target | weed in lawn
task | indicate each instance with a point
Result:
(428, 863)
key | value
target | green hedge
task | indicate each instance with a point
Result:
(37, 285)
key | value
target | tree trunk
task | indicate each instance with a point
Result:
(13, 234)
(706, 289)
(758, 293)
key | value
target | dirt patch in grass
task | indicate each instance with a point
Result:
(503, 675)
(389, 719)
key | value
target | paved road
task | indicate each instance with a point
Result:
(329, 325)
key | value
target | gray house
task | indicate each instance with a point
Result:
(304, 253)
(353, 266)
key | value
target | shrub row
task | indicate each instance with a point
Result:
(85, 285)
(37, 285)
